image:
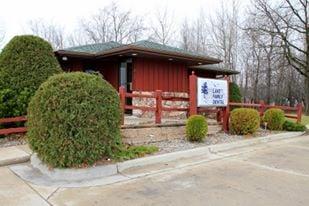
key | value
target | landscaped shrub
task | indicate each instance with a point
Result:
(244, 121)
(234, 93)
(196, 128)
(274, 119)
(293, 126)
(74, 120)
(12, 103)
(25, 62)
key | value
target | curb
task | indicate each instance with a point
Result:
(113, 169)
(73, 174)
(13, 155)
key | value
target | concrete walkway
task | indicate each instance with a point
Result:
(276, 173)
(14, 155)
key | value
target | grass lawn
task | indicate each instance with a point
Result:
(305, 120)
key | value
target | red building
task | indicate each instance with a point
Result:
(142, 66)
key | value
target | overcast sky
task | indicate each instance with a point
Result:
(15, 14)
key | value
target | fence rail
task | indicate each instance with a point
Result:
(13, 130)
(158, 108)
(262, 107)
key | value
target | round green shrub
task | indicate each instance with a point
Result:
(293, 126)
(25, 62)
(274, 118)
(244, 121)
(74, 120)
(196, 128)
(234, 92)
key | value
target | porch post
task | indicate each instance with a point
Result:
(192, 94)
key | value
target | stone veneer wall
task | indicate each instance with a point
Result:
(151, 102)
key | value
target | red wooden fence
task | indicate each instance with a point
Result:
(262, 107)
(157, 109)
(13, 130)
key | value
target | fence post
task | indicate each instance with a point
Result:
(192, 94)
(158, 114)
(262, 108)
(226, 110)
(122, 96)
(299, 112)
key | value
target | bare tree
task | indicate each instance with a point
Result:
(112, 24)
(223, 33)
(291, 22)
(48, 31)
(163, 28)
(194, 35)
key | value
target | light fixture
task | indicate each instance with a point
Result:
(64, 58)
(170, 59)
(120, 55)
(200, 63)
(134, 54)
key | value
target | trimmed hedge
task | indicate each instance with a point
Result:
(293, 126)
(74, 120)
(196, 128)
(25, 62)
(244, 121)
(274, 118)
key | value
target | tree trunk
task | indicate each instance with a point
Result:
(307, 95)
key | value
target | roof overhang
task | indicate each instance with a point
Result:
(214, 69)
(132, 49)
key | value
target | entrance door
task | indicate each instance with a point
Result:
(125, 79)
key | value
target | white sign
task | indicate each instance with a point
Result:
(212, 92)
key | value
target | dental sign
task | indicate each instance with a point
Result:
(212, 92)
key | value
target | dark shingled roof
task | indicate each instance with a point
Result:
(215, 68)
(165, 48)
(103, 48)
(94, 48)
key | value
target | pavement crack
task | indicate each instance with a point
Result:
(49, 196)
(34, 190)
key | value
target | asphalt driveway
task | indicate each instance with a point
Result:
(272, 174)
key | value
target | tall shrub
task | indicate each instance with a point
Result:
(25, 62)
(234, 93)
(196, 128)
(74, 120)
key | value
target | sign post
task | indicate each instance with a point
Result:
(192, 94)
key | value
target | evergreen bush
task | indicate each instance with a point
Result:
(25, 62)
(74, 120)
(196, 128)
(244, 121)
(274, 118)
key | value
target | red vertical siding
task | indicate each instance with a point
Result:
(110, 71)
(153, 74)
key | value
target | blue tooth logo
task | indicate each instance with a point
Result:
(205, 89)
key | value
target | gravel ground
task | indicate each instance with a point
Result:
(182, 144)
(13, 140)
